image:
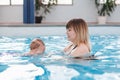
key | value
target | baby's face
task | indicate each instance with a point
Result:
(34, 45)
(38, 45)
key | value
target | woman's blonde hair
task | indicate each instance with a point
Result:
(81, 29)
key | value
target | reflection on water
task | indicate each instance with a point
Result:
(54, 65)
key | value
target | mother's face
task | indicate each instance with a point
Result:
(71, 35)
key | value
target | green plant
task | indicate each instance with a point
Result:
(42, 7)
(105, 8)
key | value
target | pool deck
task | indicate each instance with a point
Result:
(22, 30)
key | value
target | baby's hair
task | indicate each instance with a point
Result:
(40, 41)
(35, 44)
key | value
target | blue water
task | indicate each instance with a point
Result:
(53, 65)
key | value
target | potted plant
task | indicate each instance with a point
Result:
(105, 9)
(42, 7)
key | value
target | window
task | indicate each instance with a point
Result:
(67, 2)
(4, 2)
(20, 2)
(11, 2)
(117, 1)
(64, 1)
(16, 2)
(104, 1)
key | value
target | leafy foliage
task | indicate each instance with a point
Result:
(45, 7)
(105, 8)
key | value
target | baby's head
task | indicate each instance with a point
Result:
(38, 45)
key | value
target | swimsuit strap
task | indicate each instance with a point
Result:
(91, 57)
(72, 49)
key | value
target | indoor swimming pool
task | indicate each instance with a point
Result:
(54, 65)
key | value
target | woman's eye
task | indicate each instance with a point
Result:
(69, 29)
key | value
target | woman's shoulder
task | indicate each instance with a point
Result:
(83, 48)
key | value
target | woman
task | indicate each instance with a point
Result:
(77, 33)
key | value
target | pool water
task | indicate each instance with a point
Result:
(53, 66)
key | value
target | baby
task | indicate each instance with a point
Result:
(37, 46)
